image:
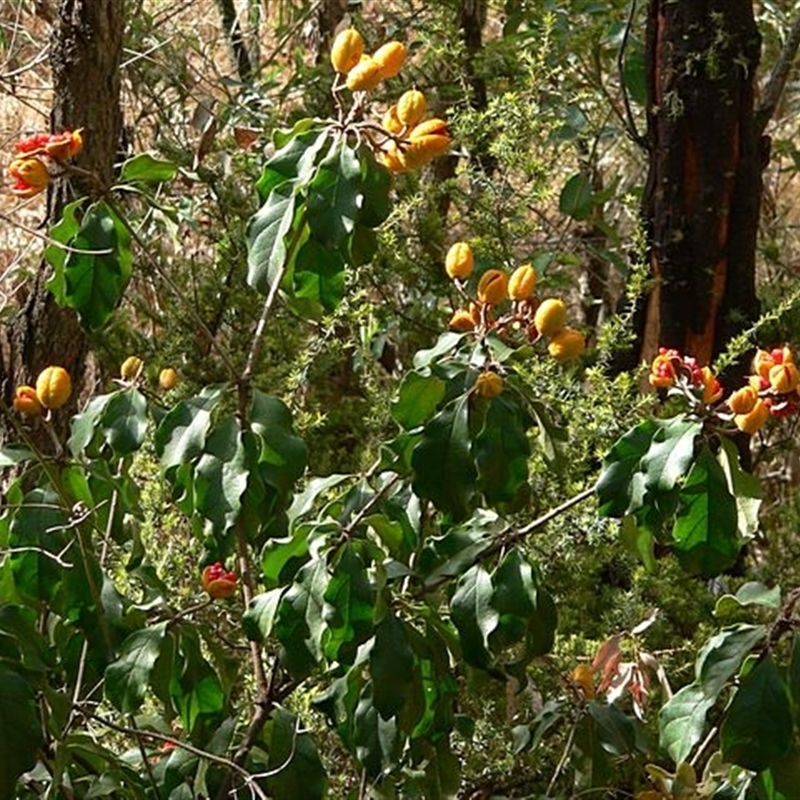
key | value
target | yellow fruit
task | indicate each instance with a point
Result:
(391, 159)
(411, 107)
(391, 122)
(459, 261)
(364, 76)
(431, 127)
(550, 317)
(488, 385)
(522, 282)
(131, 367)
(428, 147)
(783, 378)
(583, 677)
(26, 401)
(754, 420)
(390, 57)
(492, 287)
(167, 378)
(347, 49)
(462, 321)
(743, 400)
(53, 387)
(566, 345)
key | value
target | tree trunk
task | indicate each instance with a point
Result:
(702, 199)
(85, 60)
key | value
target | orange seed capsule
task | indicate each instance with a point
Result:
(167, 378)
(53, 387)
(411, 107)
(459, 261)
(522, 282)
(551, 316)
(26, 401)
(488, 385)
(364, 76)
(566, 345)
(493, 287)
(347, 49)
(390, 57)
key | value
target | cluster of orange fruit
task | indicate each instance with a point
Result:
(771, 391)
(408, 141)
(495, 292)
(53, 389)
(32, 168)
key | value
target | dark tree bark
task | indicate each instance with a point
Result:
(702, 200)
(85, 60)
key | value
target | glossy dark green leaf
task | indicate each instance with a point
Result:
(391, 665)
(501, 451)
(745, 487)
(671, 454)
(181, 436)
(444, 469)
(758, 726)
(705, 530)
(751, 593)
(319, 275)
(376, 183)
(589, 760)
(20, 729)
(474, 615)
(259, 618)
(84, 425)
(576, 199)
(220, 476)
(145, 168)
(295, 157)
(300, 623)
(283, 455)
(633, 74)
(266, 237)
(98, 268)
(621, 484)
(195, 687)
(552, 437)
(298, 772)
(128, 677)
(334, 196)
(417, 399)
(62, 233)
(350, 603)
(124, 421)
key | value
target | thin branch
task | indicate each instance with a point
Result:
(776, 82)
(633, 131)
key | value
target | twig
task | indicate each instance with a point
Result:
(776, 82)
(633, 131)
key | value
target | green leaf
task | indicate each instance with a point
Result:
(266, 238)
(634, 77)
(181, 436)
(62, 233)
(298, 772)
(751, 593)
(705, 530)
(501, 452)
(391, 665)
(319, 275)
(576, 199)
(376, 184)
(444, 470)
(300, 624)
(283, 455)
(417, 399)
(474, 615)
(145, 168)
(621, 484)
(13, 454)
(758, 727)
(94, 281)
(220, 477)
(350, 603)
(671, 453)
(124, 421)
(552, 437)
(127, 678)
(295, 158)
(83, 426)
(588, 757)
(682, 719)
(20, 729)
(334, 196)
(746, 488)
(259, 618)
